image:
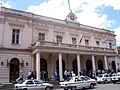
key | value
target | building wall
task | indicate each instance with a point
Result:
(30, 26)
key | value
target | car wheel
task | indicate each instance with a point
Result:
(47, 88)
(73, 88)
(105, 81)
(91, 86)
(114, 82)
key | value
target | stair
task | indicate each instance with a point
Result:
(5, 86)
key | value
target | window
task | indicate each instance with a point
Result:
(59, 39)
(29, 82)
(73, 40)
(86, 42)
(15, 36)
(110, 45)
(37, 82)
(97, 43)
(41, 37)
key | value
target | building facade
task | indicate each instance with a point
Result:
(30, 42)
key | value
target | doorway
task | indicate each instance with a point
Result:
(14, 69)
(89, 67)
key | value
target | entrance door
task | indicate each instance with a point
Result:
(89, 67)
(113, 65)
(14, 69)
(75, 69)
(100, 65)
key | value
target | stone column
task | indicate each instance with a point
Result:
(37, 65)
(106, 65)
(93, 63)
(78, 64)
(116, 63)
(60, 67)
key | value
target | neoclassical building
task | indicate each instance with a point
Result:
(31, 42)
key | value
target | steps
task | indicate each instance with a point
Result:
(5, 86)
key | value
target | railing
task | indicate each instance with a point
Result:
(72, 46)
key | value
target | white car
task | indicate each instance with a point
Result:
(103, 78)
(92, 81)
(76, 83)
(115, 77)
(30, 84)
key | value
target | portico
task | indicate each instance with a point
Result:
(65, 61)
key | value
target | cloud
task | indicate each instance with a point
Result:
(5, 4)
(117, 32)
(52, 8)
(87, 11)
(59, 9)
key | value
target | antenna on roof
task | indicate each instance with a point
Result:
(69, 5)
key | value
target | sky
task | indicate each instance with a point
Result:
(96, 13)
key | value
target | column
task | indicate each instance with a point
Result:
(93, 63)
(106, 65)
(116, 63)
(37, 65)
(60, 67)
(32, 60)
(78, 64)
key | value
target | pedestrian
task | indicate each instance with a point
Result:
(65, 74)
(32, 76)
(29, 75)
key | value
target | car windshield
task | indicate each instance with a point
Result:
(70, 79)
(87, 78)
(100, 75)
(20, 82)
(37, 82)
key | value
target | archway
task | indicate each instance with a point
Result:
(43, 64)
(43, 68)
(89, 67)
(100, 65)
(113, 65)
(14, 69)
(57, 66)
(74, 64)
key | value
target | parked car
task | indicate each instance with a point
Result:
(76, 83)
(29, 84)
(115, 77)
(92, 81)
(103, 78)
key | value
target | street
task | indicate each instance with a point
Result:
(103, 87)
(109, 86)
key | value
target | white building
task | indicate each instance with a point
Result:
(37, 43)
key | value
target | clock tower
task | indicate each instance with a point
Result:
(71, 17)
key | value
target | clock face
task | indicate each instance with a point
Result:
(72, 17)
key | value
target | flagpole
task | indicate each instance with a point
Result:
(69, 5)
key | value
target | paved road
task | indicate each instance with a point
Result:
(98, 87)
(104, 87)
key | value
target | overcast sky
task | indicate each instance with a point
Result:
(96, 13)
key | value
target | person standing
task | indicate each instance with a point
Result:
(29, 74)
